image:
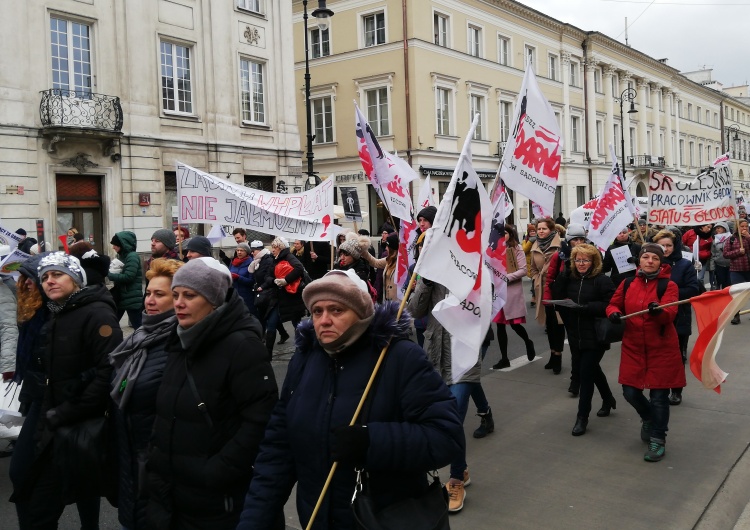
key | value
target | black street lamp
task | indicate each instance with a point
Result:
(323, 14)
(629, 94)
(734, 128)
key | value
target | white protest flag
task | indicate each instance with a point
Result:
(9, 238)
(612, 212)
(495, 255)
(722, 160)
(532, 155)
(407, 240)
(582, 214)
(631, 204)
(216, 234)
(426, 196)
(388, 175)
(204, 198)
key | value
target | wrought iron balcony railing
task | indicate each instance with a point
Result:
(646, 161)
(86, 110)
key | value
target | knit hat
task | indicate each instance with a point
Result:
(428, 214)
(166, 237)
(245, 247)
(392, 241)
(642, 222)
(30, 267)
(351, 247)
(256, 244)
(21, 232)
(530, 227)
(65, 263)
(199, 244)
(205, 276)
(344, 287)
(96, 266)
(280, 242)
(575, 231)
(652, 248)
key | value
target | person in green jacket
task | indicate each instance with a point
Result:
(127, 291)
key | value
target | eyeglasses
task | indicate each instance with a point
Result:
(582, 261)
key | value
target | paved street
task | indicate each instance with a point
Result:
(531, 473)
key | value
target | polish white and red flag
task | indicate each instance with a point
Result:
(389, 174)
(533, 152)
(407, 240)
(713, 311)
(453, 256)
(611, 214)
(426, 195)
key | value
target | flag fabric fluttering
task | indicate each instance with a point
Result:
(426, 196)
(216, 234)
(611, 214)
(533, 152)
(624, 185)
(713, 311)
(495, 255)
(582, 214)
(388, 173)
(453, 256)
(407, 240)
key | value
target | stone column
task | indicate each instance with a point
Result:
(643, 116)
(677, 103)
(609, 123)
(625, 125)
(591, 109)
(669, 135)
(655, 96)
(565, 60)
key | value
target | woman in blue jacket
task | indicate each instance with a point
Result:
(409, 424)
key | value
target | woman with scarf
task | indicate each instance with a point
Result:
(703, 234)
(243, 280)
(719, 265)
(388, 264)
(139, 364)
(546, 245)
(513, 314)
(528, 242)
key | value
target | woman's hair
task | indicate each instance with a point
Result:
(72, 229)
(29, 300)
(182, 230)
(662, 234)
(163, 267)
(512, 235)
(548, 221)
(737, 226)
(588, 251)
(279, 243)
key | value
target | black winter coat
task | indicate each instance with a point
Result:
(591, 292)
(412, 422)
(609, 262)
(360, 266)
(198, 474)
(322, 264)
(291, 306)
(684, 275)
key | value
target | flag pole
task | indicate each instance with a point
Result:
(637, 313)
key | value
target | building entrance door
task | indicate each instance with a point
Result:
(79, 206)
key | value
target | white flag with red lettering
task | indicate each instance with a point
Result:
(533, 152)
(611, 213)
(426, 195)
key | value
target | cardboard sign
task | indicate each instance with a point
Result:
(621, 256)
(701, 200)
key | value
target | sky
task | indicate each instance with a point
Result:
(690, 33)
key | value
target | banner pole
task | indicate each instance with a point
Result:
(637, 313)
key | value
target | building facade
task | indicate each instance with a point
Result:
(420, 71)
(99, 100)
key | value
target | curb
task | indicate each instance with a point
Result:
(730, 501)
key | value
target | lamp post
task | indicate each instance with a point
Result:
(323, 14)
(734, 128)
(629, 94)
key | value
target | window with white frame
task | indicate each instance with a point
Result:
(682, 152)
(647, 93)
(633, 144)
(373, 26)
(679, 109)
(690, 111)
(256, 6)
(700, 155)
(615, 84)
(649, 145)
(71, 57)
(529, 56)
(477, 106)
(575, 129)
(691, 153)
(617, 139)
(553, 63)
(574, 73)
(503, 47)
(708, 117)
(320, 42)
(661, 143)
(377, 110)
(599, 137)
(708, 154)
(505, 117)
(698, 113)
(475, 40)
(176, 78)
(443, 104)
(598, 80)
(441, 25)
(253, 91)
(718, 152)
(322, 114)
(660, 98)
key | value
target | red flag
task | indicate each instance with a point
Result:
(64, 240)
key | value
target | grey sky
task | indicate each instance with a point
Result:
(690, 33)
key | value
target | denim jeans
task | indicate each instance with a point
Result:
(462, 392)
(654, 410)
(739, 277)
(590, 375)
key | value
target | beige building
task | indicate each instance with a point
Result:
(420, 70)
(99, 99)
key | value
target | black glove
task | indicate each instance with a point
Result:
(615, 318)
(349, 445)
(52, 418)
(654, 309)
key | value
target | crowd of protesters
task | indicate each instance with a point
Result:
(183, 418)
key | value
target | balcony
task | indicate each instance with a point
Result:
(68, 109)
(646, 161)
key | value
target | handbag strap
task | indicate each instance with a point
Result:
(194, 389)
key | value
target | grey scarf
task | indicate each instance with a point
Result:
(649, 275)
(130, 356)
(349, 337)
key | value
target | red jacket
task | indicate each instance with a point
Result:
(650, 349)
(704, 247)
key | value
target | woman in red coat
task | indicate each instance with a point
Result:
(650, 349)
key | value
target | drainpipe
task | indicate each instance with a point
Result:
(407, 94)
(586, 114)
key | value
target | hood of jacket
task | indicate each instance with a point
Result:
(383, 327)
(722, 224)
(89, 294)
(129, 242)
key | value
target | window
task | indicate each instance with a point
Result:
(698, 114)
(647, 93)
(690, 111)
(717, 152)
(176, 80)
(256, 6)
(708, 117)
(71, 57)
(440, 23)
(253, 100)
(598, 80)
(320, 43)
(322, 113)
(700, 155)
(530, 56)
(660, 97)
(443, 97)
(377, 111)
(475, 41)
(575, 126)
(679, 109)
(476, 104)
(573, 73)
(633, 145)
(708, 154)
(661, 143)
(599, 137)
(615, 84)
(581, 195)
(682, 152)
(553, 67)
(374, 28)
(258, 182)
(505, 117)
(691, 153)
(617, 140)
(649, 145)
(503, 45)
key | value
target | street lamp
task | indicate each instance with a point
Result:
(629, 94)
(323, 14)
(734, 128)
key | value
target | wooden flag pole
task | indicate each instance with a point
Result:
(637, 313)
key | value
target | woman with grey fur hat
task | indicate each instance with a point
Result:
(350, 258)
(213, 403)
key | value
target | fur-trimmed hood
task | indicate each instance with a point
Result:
(383, 327)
